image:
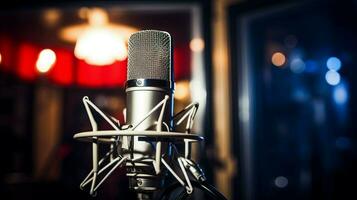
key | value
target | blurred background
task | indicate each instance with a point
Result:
(275, 81)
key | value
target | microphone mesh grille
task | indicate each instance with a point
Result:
(149, 55)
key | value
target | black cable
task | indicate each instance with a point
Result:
(183, 195)
(204, 186)
(212, 189)
(167, 191)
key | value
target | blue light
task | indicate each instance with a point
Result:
(297, 65)
(333, 63)
(332, 77)
(311, 66)
(340, 94)
(300, 95)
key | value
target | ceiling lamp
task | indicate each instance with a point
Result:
(98, 42)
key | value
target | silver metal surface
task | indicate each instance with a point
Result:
(106, 136)
(145, 172)
(149, 55)
(149, 58)
(141, 144)
(139, 102)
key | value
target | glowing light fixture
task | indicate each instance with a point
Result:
(100, 47)
(45, 60)
(0, 58)
(98, 42)
(278, 59)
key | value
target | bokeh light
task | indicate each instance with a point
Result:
(100, 46)
(182, 90)
(332, 77)
(0, 58)
(333, 63)
(278, 59)
(311, 66)
(45, 60)
(197, 45)
(340, 94)
(281, 182)
(297, 65)
(83, 12)
(52, 17)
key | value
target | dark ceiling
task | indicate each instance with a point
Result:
(29, 24)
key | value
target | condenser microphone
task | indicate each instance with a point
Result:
(149, 81)
(142, 145)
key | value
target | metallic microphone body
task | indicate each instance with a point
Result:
(143, 143)
(149, 80)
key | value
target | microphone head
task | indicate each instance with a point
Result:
(149, 55)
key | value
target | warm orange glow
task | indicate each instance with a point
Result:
(97, 17)
(0, 58)
(51, 16)
(83, 12)
(45, 60)
(98, 46)
(98, 42)
(278, 59)
(182, 90)
(71, 33)
(197, 44)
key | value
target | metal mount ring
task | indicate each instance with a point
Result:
(104, 135)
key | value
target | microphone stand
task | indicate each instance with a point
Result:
(119, 141)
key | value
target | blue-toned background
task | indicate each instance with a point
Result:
(295, 92)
